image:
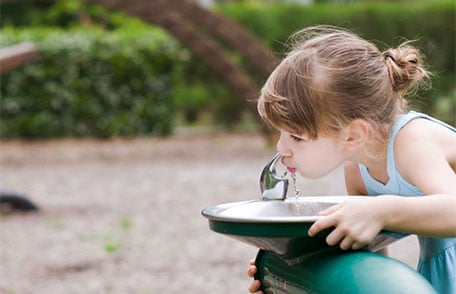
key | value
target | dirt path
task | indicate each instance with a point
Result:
(123, 216)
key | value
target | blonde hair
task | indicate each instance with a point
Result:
(332, 77)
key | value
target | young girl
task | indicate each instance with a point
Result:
(336, 99)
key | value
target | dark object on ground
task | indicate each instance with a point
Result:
(11, 202)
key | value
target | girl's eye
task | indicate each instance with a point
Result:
(296, 138)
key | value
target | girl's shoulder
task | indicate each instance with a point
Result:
(422, 133)
(423, 150)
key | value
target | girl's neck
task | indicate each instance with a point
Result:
(376, 165)
(375, 152)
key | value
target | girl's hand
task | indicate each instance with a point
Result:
(255, 286)
(357, 222)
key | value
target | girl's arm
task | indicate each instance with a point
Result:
(425, 154)
(429, 216)
(433, 215)
(424, 157)
(353, 180)
(358, 221)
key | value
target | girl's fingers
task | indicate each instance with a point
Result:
(251, 271)
(357, 246)
(320, 225)
(346, 244)
(335, 237)
(326, 221)
(255, 286)
(330, 209)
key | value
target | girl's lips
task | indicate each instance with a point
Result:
(291, 169)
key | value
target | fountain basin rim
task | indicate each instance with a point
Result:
(251, 211)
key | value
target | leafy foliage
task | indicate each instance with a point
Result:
(88, 82)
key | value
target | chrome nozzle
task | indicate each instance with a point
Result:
(272, 185)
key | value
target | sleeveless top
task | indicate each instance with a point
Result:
(437, 262)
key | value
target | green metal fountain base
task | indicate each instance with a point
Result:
(331, 270)
(286, 239)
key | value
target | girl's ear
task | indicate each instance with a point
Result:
(356, 134)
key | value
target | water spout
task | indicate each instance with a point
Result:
(272, 185)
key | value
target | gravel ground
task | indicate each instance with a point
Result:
(123, 216)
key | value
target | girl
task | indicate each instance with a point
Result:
(336, 99)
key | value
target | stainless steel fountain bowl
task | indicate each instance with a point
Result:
(293, 210)
(281, 226)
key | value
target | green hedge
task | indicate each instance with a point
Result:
(89, 82)
(430, 23)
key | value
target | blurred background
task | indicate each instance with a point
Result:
(128, 68)
(121, 119)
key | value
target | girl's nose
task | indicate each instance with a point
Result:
(282, 146)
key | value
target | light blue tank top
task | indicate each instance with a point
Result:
(437, 261)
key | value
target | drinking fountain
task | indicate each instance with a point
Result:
(290, 261)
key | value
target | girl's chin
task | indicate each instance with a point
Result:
(310, 176)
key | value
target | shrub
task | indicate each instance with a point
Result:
(89, 82)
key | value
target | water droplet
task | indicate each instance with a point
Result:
(295, 187)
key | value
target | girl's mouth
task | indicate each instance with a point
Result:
(292, 170)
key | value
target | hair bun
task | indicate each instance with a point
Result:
(404, 67)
